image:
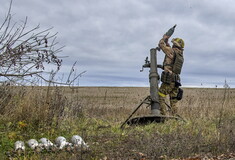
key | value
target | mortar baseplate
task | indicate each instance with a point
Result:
(143, 120)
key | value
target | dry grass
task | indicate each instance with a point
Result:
(118, 102)
(97, 112)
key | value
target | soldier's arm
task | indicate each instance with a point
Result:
(165, 47)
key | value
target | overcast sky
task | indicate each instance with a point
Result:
(111, 38)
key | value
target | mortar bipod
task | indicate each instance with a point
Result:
(147, 100)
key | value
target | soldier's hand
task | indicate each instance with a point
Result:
(166, 37)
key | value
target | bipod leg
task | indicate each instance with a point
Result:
(144, 101)
(177, 115)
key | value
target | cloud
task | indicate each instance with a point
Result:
(110, 39)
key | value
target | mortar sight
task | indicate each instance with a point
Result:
(146, 65)
(146, 60)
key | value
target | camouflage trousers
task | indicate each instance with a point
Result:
(172, 91)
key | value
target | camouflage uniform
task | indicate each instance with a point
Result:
(165, 88)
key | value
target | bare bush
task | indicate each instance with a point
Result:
(24, 52)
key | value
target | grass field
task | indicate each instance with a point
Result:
(96, 113)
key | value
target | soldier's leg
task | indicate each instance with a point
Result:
(173, 100)
(163, 91)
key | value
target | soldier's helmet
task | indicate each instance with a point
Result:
(178, 42)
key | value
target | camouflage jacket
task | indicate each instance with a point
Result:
(169, 54)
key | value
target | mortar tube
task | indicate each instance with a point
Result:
(153, 80)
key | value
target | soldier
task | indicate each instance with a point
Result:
(172, 66)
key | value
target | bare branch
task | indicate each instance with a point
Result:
(71, 71)
(20, 75)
